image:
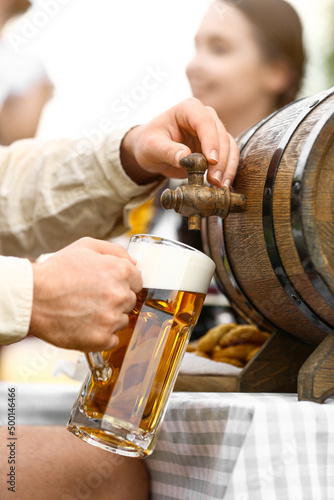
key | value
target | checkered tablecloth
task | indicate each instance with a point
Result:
(244, 447)
(229, 446)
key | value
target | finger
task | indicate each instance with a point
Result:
(232, 164)
(130, 303)
(100, 340)
(217, 170)
(204, 123)
(113, 342)
(136, 285)
(223, 147)
(128, 278)
(103, 247)
(161, 145)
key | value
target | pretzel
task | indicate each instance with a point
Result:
(202, 354)
(252, 353)
(229, 343)
(244, 334)
(240, 351)
(191, 347)
(216, 349)
(230, 361)
(212, 337)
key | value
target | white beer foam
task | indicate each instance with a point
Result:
(171, 267)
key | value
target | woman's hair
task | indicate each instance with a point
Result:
(279, 32)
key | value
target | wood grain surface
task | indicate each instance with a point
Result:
(238, 245)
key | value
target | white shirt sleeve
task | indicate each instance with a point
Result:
(16, 296)
(50, 195)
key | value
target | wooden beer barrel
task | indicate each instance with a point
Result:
(275, 261)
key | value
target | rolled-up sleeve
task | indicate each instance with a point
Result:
(16, 296)
(50, 195)
(56, 192)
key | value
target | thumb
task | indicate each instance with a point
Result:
(181, 152)
(168, 151)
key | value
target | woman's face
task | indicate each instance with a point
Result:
(229, 71)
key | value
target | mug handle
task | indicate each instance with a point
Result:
(101, 372)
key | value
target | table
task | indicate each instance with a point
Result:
(230, 446)
(237, 446)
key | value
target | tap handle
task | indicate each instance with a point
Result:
(196, 166)
(196, 200)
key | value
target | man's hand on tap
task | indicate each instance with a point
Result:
(188, 127)
(82, 294)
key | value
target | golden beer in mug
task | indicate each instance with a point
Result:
(122, 402)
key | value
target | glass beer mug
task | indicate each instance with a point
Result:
(122, 402)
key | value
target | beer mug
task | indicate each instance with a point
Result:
(122, 402)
